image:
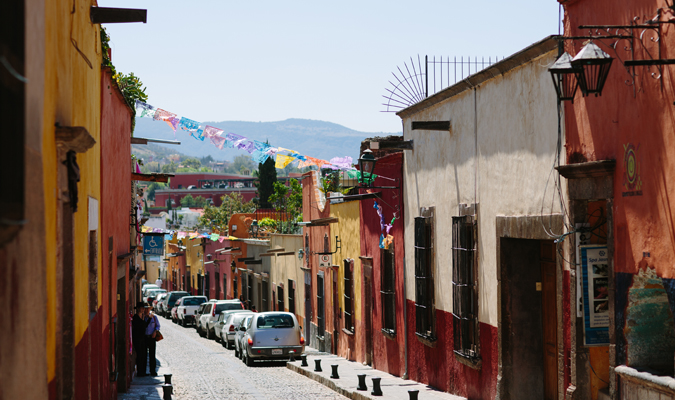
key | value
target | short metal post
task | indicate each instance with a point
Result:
(362, 382)
(376, 387)
(334, 374)
(167, 379)
(304, 360)
(168, 390)
(317, 363)
(413, 394)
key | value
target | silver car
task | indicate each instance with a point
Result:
(239, 332)
(272, 336)
(230, 325)
(220, 323)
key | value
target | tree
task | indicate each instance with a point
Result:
(169, 168)
(287, 199)
(200, 202)
(191, 162)
(239, 162)
(267, 177)
(187, 201)
(217, 218)
(152, 188)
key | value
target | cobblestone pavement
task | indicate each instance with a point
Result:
(204, 369)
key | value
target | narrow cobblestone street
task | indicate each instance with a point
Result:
(204, 369)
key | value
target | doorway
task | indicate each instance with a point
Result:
(308, 306)
(368, 310)
(529, 315)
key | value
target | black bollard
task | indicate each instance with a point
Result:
(168, 390)
(304, 360)
(362, 382)
(376, 387)
(167, 379)
(413, 394)
(334, 374)
(317, 363)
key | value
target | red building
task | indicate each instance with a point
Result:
(388, 324)
(620, 169)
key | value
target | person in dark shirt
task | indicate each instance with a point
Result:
(138, 326)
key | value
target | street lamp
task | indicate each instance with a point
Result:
(591, 67)
(366, 168)
(564, 78)
(254, 228)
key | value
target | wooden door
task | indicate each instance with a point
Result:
(549, 319)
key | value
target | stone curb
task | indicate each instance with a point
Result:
(329, 383)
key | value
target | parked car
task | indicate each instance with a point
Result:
(239, 332)
(211, 312)
(170, 300)
(147, 287)
(272, 335)
(231, 323)
(188, 308)
(151, 294)
(220, 323)
(174, 310)
(157, 304)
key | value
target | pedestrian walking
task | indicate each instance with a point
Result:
(158, 282)
(138, 325)
(150, 339)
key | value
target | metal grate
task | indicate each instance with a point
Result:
(424, 280)
(418, 80)
(348, 296)
(388, 291)
(463, 285)
(320, 312)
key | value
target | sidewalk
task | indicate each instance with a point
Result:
(147, 387)
(392, 387)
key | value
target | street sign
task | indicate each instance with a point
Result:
(153, 245)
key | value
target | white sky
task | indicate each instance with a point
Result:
(263, 60)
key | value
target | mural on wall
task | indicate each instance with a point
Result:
(649, 329)
(594, 264)
(632, 182)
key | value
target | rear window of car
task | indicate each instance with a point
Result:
(236, 318)
(175, 296)
(228, 306)
(195, 301)
(274, 321)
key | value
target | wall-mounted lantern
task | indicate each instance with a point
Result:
(366, 168)
(254, 229)
(564, 78)
(591, 67)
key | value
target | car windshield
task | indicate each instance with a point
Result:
(194, 301)
(228, 306)
(236, 318)
(275, 321)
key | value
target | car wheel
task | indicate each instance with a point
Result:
(247, 360)
(201, 331)
(229, 345)
(209, 335)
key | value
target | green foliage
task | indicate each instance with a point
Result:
(239, 163)
(153, 187)
(130, 85)
(331, 183)
(267, 178)
(200, 202)
(267, 223)
(169, 168)
(191, 162)
(217, 218)
(287, 199)
(187, 201)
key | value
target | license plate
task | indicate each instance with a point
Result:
(277, 352)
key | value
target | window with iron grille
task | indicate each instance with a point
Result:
(280, 297)
(348, 295)
(320, 320)
(464, 309)
(235, 288)
(388, 290)
(265, 294)
(424, 279)
(291, 296)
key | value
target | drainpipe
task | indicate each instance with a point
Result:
(405, 323)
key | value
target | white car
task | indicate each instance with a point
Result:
(147, 287)
(187, 309)
(220, 327)
(228, 330)
(151, 294)
(210, 315)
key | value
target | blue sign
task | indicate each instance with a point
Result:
(595, 284)
(153, 245)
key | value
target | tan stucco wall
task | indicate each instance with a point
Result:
(348, 230)
(283, 268)
(502, 163)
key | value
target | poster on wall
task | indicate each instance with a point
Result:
(583, 237)
(595, 281)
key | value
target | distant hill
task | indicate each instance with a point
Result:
(318, 139)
